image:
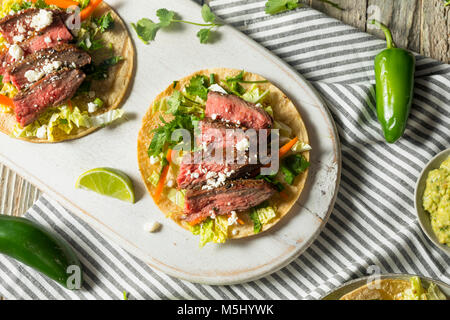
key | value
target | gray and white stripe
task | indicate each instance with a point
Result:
(375, 203)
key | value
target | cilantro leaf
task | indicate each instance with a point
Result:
(100, 71)
(146, 30)
(198, 86)
(203, 35)
(41, 4)
(165, 17)
(277, 6)
(292, 166)
(105, 22)
(174, 102)
(162, 137)
(207, 14)
(84, 3)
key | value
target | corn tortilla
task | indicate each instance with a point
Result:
(284, 111)
(112, 91)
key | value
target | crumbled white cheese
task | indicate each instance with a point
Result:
(243, 145)
(170, 183)
(233, 219)
(15, 52)
(195, 175)
(259, 105)
(47, 40)
(33, 75)
(216, 88)
(20, 28)
(214, 116)
(18, 38)
(41, 133)
(92, 107)
(212, 214)
(154, 160)
(42, 20)
(152, 226)
(51, 67)
(234, 232)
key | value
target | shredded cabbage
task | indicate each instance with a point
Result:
(301, 147)
(63, 120)
(177, 197)
(254, 95)
(418, 292)
(154, 178)
(212, 230)
(285, 130)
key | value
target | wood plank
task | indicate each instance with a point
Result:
(435, 33)
(403, 18)
(16, 194)
(354, 12)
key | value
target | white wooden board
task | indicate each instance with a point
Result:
(175, 54)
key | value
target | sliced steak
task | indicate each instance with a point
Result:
(18, 27)
(48, 92)
(231, 108)
(209, 173)
(51, 36)
(219, 134)
(43, 62)
(238, 195)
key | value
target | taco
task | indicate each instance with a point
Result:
(221, 200)
(63, 73)
(396, 289)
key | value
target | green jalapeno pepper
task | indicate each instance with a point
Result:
(394, 75)
(38, 248)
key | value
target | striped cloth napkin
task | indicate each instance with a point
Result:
(373, 224)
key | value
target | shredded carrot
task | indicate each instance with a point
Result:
(64, 4)
(69, 103)
(86, 12)
(240, 221)
(288, 146)
(197, 221)
(162, 179)
(6, 101)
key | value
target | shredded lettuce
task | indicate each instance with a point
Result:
(269, 110)
(63, 120)
(254, 95)
(154, 178)
(177, 196)
(301, 147)
(262, 215)
(212, 230)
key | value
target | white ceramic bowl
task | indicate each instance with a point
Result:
(424, 216)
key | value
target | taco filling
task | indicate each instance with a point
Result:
(49, 60)
(213, 185)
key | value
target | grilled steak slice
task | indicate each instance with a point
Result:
(238, 195)
(51, 91)
(64, 55)
(218, 134)
(18, 27)
(51, 36)
(231, 108)
(210, 172)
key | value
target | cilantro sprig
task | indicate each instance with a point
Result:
(146, 29)
(447, 3)
(233, 84)
(278, 6)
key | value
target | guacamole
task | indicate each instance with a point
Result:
(436, 200)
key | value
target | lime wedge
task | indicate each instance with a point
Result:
(109, 182)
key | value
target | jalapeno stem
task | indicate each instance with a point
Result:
(387, 32)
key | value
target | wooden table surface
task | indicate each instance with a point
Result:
(420, 25)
